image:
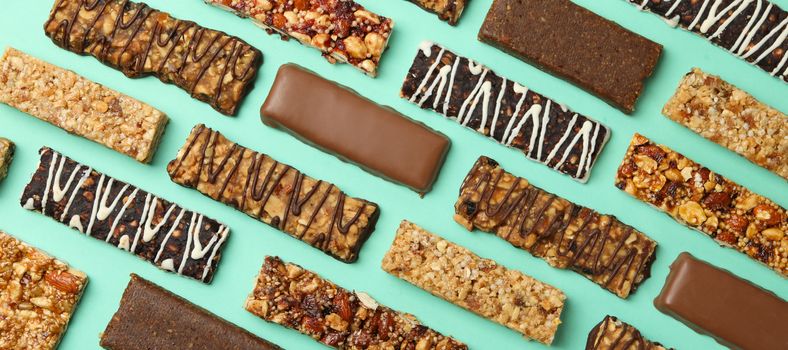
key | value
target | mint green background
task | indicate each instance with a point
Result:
(108, 268)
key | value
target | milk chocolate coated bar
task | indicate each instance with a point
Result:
(6, 156)
(158, 231)
(296, 298)
(212, 66)
(515, 116)
(568, 236)
(447, 10)
(576, 44)
(314, 211)
(612, 334)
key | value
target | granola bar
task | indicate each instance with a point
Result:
(447, 10)
(612, 334)
(507, 112)
(566, 235)
(725, 114)
(343, 30)
(314, 211)
(6, 155)
(299, 299)
(480, 285)
(210, 65)
(705, 201)
(38, 295)
(80, 106)
(160, 232)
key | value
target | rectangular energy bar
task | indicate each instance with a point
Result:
(505, 111)
(576, 44)
(344, 31)
(210, 65)
(725, 114)
(447, 10)
(612, 254)
(38, 296)
(6, 156)
(334, 316)
(160, 232)
(705, 201)
(612, 334)
(455, 274)
(80, 106)
(314, 211)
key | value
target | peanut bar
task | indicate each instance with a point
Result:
(447, 10)
(6, 155)
(612, 334)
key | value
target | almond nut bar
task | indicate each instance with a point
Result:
(210, 65)
(160, 232)
(38, 295)
(479, 285)
(705, 201)
(447, 10)
(343, 30)
(612, 334)
(505, 111)
(566, 235)
(6, 155)
(725, 114)
(753, 30)
(314, 211)
(296, 298)
(80, 106)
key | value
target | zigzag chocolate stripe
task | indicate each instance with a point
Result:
(611, 334)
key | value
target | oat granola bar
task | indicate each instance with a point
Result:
(695, 196)
(566, 235)
(725, 114)
(296, 298)
(160, 232)
(612, 334)
(343, 30)
(447, 10)
(210, 65)
(314, 211)
(480, 285)
(6, 155)
(38, 295)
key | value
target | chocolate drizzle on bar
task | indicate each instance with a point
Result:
(611, 334)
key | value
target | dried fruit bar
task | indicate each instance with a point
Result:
(725, 114)
(611, 334)
(212, 66)
(753, 30)
(158, 231)
(447, 10)
(566, 235)
(343, 30)
(507, 112)
(314, 211)
(38, 295)
(150, 317)
(480, 285)
(705, 201)
(80, 106)
(299, 299)
(6, 155)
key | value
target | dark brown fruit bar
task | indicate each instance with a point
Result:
(576, 44)
(447, 10)
(299, 299)
(612, 334)
(568, 236)
(212, 66)
(150, 317)
(515, 116)
(753, 30)
(314, 211)
(158, 231)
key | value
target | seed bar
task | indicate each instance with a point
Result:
(480, 285)
(299, 299)
(566, 235)
(314, 211)
(505, 111)
(447, 10)
(80, 106)
(38, 296)
(344, 31)
(210, 65)
(722, 113)
(163, 233)
(6, 156)
(611, 334)
(705, 201)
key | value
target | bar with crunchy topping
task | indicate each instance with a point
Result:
(210, 65)
(447, 10)
(160, 232)
(455, 274)
(729, 116)
(38, 296)
(612, 334)
(6, 155)
(705, 201)
(314, 211)
(612, 254)
(296, 298)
